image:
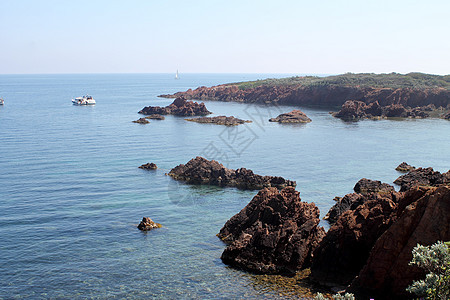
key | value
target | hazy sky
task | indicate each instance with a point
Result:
(322, 37)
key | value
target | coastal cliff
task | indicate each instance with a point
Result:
(410, 91)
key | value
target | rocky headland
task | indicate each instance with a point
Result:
(369, 245)
(219, 120)
(295, 116)
(202, 171)
(383, 95)
(179, 107)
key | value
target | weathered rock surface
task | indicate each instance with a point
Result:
(345, 248)
(141, 121)
(155, 117)
(179, 107)
(353, 110)
(220, 120)
(404, 167)
(423, 217)
(275, 233)
(148, 224)
(365, 190)
(446, 116)
(295, 116)
(202, 171)
(149, 166)
(422, 176)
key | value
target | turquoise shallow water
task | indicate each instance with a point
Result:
(71, 194)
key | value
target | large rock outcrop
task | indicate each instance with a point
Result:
(202, 171)
(423, 217)
(295, 116)
(179, 107)
(275, 233)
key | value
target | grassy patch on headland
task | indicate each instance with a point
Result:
(391, 80)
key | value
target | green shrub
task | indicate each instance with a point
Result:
(435, 260)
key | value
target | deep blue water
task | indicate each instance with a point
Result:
(71, 193)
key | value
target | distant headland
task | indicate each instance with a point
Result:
(360, 96)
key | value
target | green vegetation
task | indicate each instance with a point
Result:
(392, 80)
(434, 259)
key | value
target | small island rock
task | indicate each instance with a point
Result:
(179, 107)
(220, 120)
(295, 116)
(149, 166)
(142, 121)
(148, 224)
(404, 167)
(155, 117)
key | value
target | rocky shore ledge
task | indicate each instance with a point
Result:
(367, 249)
(219, 120)
(179, 107)
(202, 171)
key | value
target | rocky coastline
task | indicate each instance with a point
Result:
(368, 247)
(210, 172)
(358, 97)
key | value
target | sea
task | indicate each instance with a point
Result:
(71, 192)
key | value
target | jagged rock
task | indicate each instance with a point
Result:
(422, 217)
(179, 107)
(220, 120)
(352, 110)
(366, 186)
(155, 117)
(295, 116)
(365, 190)
(149, 166)
(142, 121)
(395, 111)
(404, 167)
(345, 248)
(148, 224)
(202, 171)
(422, 176)
(275, 233)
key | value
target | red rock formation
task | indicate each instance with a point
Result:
(220, 120)
(422, 176)
(202, 171)
(148, 166)
(179, 107)
(423, 217)
(295, 116)
(275, 233)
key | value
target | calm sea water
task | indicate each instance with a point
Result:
(71, 193)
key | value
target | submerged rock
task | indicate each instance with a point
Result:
(155, 117)
(202, 171)
(142, 121)
(220, 120)
(295, 116)
(275, 233)
(149, 166)
(179, 107)
(148, 224)
(404, 167)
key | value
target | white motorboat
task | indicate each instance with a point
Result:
(2, 101)
(85, 100)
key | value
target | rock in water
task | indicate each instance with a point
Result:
(404, 167)
(424, 218)
(142, 121)
(220, 120)
(275, 233)
(179, 107)
(149, 166)
(155, 117)
(148, 224)
(295, 116)
(202, 171)
(422, 176)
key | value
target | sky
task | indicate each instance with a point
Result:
(298, 37)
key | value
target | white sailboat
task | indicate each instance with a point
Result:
(176, 75)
